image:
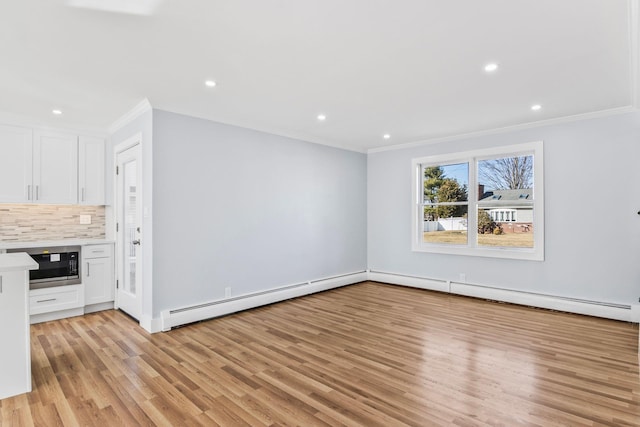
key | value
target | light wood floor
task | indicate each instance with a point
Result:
(368, 354)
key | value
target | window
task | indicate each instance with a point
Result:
(484, 203)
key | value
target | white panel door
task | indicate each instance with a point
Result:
(129, 223)
(91, 171)
(55, 168)
(15, 164)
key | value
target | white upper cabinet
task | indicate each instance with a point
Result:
(15, 164)
(91, 172)
(38, 166)
(55, 168)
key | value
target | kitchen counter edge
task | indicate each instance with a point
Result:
(53, 243)
(17, 261)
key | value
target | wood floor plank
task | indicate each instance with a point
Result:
(67, 414)
(46, 415)
(226, 413)
(363, 355)
(125, 404)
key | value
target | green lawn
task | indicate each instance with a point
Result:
(517, 240)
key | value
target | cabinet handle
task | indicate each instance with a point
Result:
(28, 192)
(88, 270)
(82, 199)
(37, 192)
(0, 284)
(47, 300)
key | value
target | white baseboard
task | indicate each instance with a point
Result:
(151, 324)
(185, 315)
(182, 316)
(98, 307)
(627, 313)
(411, 281)
(55, 315)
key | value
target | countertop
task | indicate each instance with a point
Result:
(53, 243)
(17, 261)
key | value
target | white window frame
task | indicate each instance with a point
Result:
(472, 157)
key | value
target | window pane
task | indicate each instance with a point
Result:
(445, 229)
(515, 233)
(506, 180)
(505, 202)
(446, 183)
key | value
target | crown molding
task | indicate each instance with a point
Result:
(141, 108)
(523, 126)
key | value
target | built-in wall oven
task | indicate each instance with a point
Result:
(58, 266)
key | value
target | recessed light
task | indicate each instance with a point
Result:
(322, 117)
(209, 83)
(491, 67)
(386, 136)
(536, 107)
(56, 112)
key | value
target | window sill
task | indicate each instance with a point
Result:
(528, 254)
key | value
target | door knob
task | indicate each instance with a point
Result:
(136, 242)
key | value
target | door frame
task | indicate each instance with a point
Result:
(128, 143)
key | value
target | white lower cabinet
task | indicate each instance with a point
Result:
(97, 275)
(15, 359)
(95, 293)
(55, 299)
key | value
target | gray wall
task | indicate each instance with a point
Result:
(592, 242)
(253, 211)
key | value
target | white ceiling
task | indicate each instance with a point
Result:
(410, 68)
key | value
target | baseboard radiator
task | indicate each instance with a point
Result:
(628, 313)
(195, 313)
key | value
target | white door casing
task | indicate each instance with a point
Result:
(128, 212)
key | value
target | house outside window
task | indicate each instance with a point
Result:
(481, 203)
(502, 215)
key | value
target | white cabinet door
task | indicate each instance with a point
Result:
(91, 172)
(55, 168)
(15, 164)
(97, 276)
(15, 360)
(58, 298)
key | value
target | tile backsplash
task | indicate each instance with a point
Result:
(28, 223)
